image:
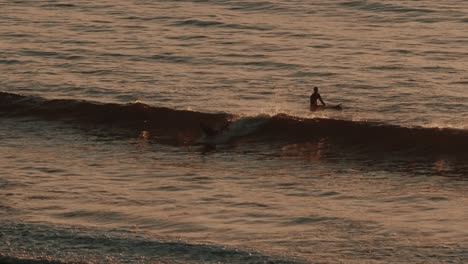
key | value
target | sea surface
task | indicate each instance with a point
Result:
(159, 131)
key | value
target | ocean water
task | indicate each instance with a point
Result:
(106, 109)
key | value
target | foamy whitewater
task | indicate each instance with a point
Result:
(180, 131)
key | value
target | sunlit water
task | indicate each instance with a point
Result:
(87, 193)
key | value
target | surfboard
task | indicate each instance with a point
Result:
(328, 107)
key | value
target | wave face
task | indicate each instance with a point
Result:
(132, 116)
(184, 127)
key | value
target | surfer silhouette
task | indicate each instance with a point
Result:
(213, 131)
(314, 98)
(209, 131)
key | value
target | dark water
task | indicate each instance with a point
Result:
(106, 106)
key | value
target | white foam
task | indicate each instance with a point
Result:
(239, 127)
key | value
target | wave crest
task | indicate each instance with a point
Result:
(183, 126)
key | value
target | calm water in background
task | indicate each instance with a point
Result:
(74, 192)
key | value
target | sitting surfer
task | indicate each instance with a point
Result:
(313, 100)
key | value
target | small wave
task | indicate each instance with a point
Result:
(379, 7)
(170, 58)
(257, 6)
(202, 23)
(39, 53)
(48, 54)
(264, 65)
(183, 126)
(10, 62)
(301, 74)
(60, 5)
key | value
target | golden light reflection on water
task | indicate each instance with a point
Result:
(256, 204)
(237, 200)
(312, 151)
(441, 165)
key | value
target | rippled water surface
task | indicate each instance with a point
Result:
(95, 179)
(398, 61)
(76, 188)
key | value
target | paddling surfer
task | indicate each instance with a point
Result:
(313, 100)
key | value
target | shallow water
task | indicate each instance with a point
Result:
(94, 179)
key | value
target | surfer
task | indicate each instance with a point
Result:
(209, 131)
(213, 131)
(313, 100)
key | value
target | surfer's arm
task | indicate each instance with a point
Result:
(320, 98)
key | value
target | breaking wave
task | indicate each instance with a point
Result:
(189, 127)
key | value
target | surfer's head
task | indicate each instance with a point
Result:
(315, 89)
